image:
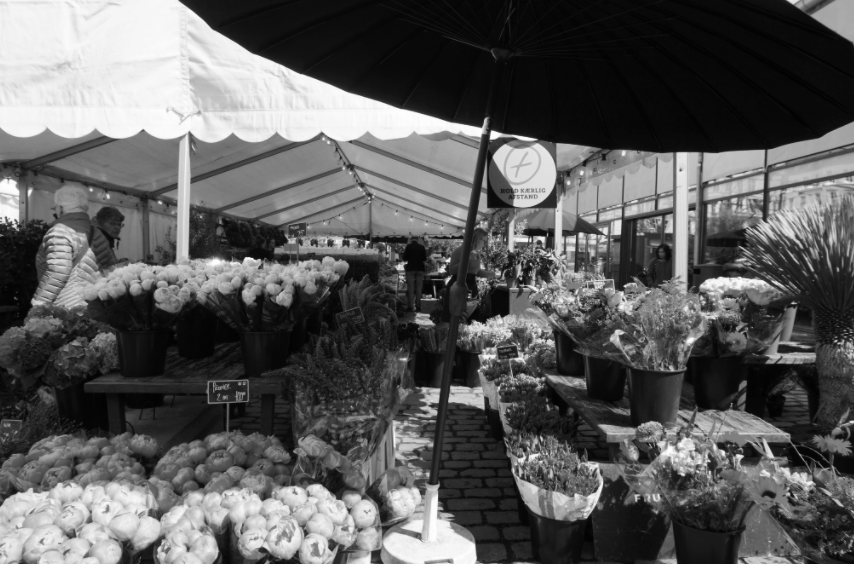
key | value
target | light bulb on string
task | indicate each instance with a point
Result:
(395, 212)
(91, 189)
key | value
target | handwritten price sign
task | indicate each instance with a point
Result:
(8, 427)
(353, 315)
(228, 391)
(507, 352)
(600, 284)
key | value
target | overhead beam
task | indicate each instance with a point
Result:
(235, 165)
(414, 189)
(413, 164)
(284, 188)
(341, 205)
(304, 202)
(67, 152)
(392, 194)
(473, 143)
(423, 215)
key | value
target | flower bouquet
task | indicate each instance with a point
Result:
(560, 490)
(703, 489)
(814, 508)
(491, 370)
(348, 389)
(537, 415)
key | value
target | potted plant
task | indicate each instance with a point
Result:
(815, 508)
(740, 320)
(806, 253)
(653, 336)
(702, 488)
(560, 489)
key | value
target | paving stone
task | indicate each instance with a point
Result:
(472, 433)
(467, 456)
(446, 493)
(501, 517)
(445, 473)
(491, 552)
(483, 492)
(468, 517)
(462, 484)
(478, 473)
(516, 533)
(470, 446)
(494, 454)
(508, 504)
(503, 463)
(470, 504)
(522, 550)
(457, 464)
(500, 482)
(484, 533)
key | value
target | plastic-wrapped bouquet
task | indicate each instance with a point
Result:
(138, 297)
(474, 337)
(512, 329)
(557, 483)
(740, 321)
(690, 478)
(519, 387)
(538, 415)
(258, 296)
(433, 339)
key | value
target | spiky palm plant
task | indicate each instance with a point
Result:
(809, 253)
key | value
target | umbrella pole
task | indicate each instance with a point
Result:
(457, 296)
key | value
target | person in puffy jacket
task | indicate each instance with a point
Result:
(65, 262)
(108, 226)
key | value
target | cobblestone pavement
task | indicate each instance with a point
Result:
(477, 488)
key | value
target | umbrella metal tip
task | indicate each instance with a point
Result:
(501, 54)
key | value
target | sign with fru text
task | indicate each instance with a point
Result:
(522, 174)
(228, 391)
(353, 315)
(600, 284)
(296, 230)
(506, 352)
(8, 427)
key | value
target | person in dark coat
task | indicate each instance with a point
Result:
(415, 255)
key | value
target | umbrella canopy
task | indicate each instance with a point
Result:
(666, 75)
(542, 222)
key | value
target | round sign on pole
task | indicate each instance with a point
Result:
(522, 174)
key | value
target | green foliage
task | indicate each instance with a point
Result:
(19, 244)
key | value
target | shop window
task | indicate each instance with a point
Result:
(743, 185)
(725, 222)
(638, 207)
(820, 193)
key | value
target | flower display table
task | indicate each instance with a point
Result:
(764, 371)
(186, 376)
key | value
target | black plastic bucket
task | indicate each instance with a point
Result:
(142, 353)
(468, 364)
(716, 381)
(556, 542)
(694, 546)
(90, 410)
(264, 351)
(196, 336)
(569, 361)
(434, 366)
(298, 336)
(606, 379)
(654, 395)
(224, 333)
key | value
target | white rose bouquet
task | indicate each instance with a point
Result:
(258, 296)
(138, 297)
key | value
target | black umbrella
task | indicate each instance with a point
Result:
(658, 75)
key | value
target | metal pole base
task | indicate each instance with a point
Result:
(454, 544)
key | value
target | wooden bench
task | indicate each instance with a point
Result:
(186, 376)
(763, 372)
(613, 423)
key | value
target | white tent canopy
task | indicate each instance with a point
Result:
(109, 93)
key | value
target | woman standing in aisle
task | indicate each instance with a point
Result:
(660, 268)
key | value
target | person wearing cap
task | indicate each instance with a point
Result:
(65, 261)
(107, 225)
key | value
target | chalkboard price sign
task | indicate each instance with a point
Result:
(600, 284)
(507, 352)
(228, 391)
(8, 427)
(353, 315)
(296, 230)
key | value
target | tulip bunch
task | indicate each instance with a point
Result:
(258, 296)
(61, 458)
(219, 462)
(138, 297)
(309, 523)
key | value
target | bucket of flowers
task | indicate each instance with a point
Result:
(741, 319)
(433, 341)
(815, 507)
(653, 334)
(142, 303)
(491, 371)
(703, 489)
(560, 489)
(264, 301)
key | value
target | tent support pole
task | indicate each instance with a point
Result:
(511, 232)
(146, 229)
(183, 236)
(457, 296)
(23, 195)
(680, 217)
(558, 238)
(370, 221)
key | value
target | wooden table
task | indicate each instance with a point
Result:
(613, 422)
(763, 372)
(185, 376)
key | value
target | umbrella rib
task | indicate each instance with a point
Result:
(598, 107)
(423, 73)
(338, 48)
(476, 14)
(615, 28)
(429, 20)
(536, 23)
(551, 86)
(471, 76)
(794, 77)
